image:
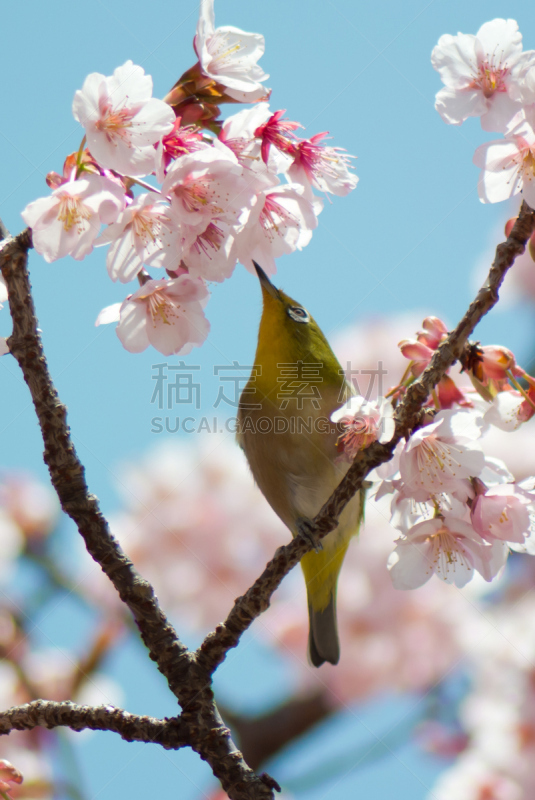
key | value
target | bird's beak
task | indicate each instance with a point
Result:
(265, 283)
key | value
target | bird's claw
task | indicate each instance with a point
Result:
(307, 530)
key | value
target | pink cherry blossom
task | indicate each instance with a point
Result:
(281, 221)
(497, 362)
(165, 314)
(209, 252)
(182, 139)
(503, 512)
(278, 132)
(441, 454)
(207, 184)
(68, 222)
(510, 409)
(144, 233)
(324, 168)
(122, 120)
(363, 422)
(8, 775)
(229, 56)
(481, 74)
(449, 548)
(238, 134)
(508, 166)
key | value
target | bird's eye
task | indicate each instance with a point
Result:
(298, 314)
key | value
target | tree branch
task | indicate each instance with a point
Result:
(67, 473)
(257, 599)
(207, 734)
(170, 733)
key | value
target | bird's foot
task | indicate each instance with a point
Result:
(306, 529)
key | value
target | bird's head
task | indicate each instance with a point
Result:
(288, 334)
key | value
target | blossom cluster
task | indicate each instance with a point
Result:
(228, 191)
(457, 509)
(488, 75)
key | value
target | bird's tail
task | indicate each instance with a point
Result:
(321, 575)
(321, 572)
(323, 644)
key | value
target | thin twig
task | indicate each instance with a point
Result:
(257, 599)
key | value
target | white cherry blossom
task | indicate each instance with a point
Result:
(209, 252)
(440, 455)
(68, 221)
(229, 56)
(281, 221)
(449, 548)
(503, 512)
(207, 184)
(122, 120)
(482, 74)
(165, 314)
(508, 166)
(144, 233)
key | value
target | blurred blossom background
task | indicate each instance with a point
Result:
(434, 696)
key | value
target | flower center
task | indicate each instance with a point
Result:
(198, 194)
(209, 239)
(275, 219)
(447, 552)
(223, 53)
(161, 308)
(435, 459)
(114, 122)
(72, 212)
(148, 226)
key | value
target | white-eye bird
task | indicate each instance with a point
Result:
(285, 431)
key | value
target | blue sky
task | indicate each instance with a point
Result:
(408, 237)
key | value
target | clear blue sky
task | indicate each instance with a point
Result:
(408, 237)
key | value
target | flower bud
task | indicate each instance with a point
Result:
(509, 226)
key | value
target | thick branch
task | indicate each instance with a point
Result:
(207, 734)
(257, 599)
(170, 733)
(67, 473)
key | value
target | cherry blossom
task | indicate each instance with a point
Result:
(481, 74)
(122, 120)
(324, 168)
(239, 135)
(503, 512)
(363, 423)
(278, 132)
(510, 409)
(229, 56)
(281, 221)
(68, 222)
(508, 166)
(206, 184)
(182, 139)
(210, 252)
(144, 233)
(441, 454)
(165, 314)
(8, 775)
(450, 548)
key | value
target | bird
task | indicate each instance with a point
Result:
(285, 431)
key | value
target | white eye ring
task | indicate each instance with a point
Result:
(298, 314)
